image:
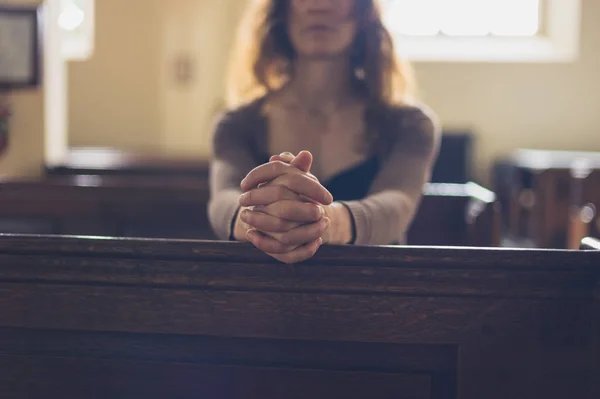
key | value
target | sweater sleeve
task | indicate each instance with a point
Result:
(232, 159)
(384, 216)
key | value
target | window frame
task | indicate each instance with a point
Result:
(557, 42)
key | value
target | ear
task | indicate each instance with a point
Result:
(303, 161)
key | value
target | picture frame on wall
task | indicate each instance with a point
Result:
(20, 47)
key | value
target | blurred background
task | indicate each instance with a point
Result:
(514, 82)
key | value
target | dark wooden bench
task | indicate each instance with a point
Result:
(106, 205)
(113, 162)
(585, 204)
(176, 207)
(132, 318)
(456, 215)
(537, 190)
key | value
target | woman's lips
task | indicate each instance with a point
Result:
(319, 28)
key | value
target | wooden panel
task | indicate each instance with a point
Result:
(101, 378)
(209, 365)
(145, 316)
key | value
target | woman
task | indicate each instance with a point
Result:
(317, 82)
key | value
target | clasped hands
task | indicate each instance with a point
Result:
(284, 208)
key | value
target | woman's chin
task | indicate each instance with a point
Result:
(321, 53)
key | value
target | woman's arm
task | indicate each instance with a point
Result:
(234, 170)
(384, 216)
(232, 159)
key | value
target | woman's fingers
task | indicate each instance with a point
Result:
(304, 185)
(294, 211)
(265, 173)
(299, 183)
(303, 161)
(289, 254)
(266, 195)
(286, 157)
(267, 223)
(267, 244)
(299, 254)
(301, 234)
(285, 173)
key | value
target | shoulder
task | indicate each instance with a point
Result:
(237, 124)
(416, 126)
(416, 118)
(240, 116)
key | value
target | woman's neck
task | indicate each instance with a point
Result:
(322, 84)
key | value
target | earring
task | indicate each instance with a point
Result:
(359, 73)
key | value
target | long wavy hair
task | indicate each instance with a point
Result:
(262, 56)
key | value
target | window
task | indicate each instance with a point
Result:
(76, 24)
(485, 30)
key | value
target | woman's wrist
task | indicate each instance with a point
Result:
(340, 231)
(240, 227)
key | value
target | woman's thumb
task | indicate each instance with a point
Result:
(303, 161)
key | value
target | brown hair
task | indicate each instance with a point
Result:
(262, 56)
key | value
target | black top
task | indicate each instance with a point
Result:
(354, 183)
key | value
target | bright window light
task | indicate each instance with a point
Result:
(463, 17)
(515, 18)
(485, 30)
(76, 24)
(413, 18)
(71, 16)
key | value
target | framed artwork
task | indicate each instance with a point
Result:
(20, 47)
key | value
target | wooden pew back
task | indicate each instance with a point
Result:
(98, 318)
(456, 215)
(176, 207)
(107, 205)
(585, 205)
(542, 192)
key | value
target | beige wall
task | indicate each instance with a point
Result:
(548, 106)
(126, 96)
(202, 31)
(114, 98)
(26, 148)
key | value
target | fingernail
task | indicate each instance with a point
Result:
(320, 241)
(249, 234)
(243, 197)
(321, 210)
(327, 222)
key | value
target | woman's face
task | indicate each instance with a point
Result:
(321, 28)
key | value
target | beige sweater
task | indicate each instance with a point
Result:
(407, 145)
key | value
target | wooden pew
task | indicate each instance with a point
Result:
(106, 205)
(456, 215)
(176, 207)
(540, 194)
(585, 203)
(131, 318)
(453, 165)
(113, 162)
